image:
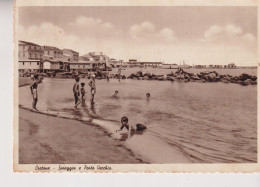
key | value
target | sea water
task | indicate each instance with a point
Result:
(187, 122)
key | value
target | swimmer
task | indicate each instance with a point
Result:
(124, 124)
(115, 94)
(148, 95)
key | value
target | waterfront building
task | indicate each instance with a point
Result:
(200, 66)
(135, 63)
(29, 65)
(29, 51)
(48, 66)
(231, 65)
(116, 63)
(170, 66)
(81, 66)
(52, 53)
(100, 60)
(70, 55)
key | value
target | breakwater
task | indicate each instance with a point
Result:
(206, 76)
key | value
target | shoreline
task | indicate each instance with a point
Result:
(51, 139)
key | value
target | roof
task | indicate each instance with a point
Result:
(87, 56)
(51, 47)
(70, 50)
(150, 62)
(29, 43)
(29, 60)
(171, 64)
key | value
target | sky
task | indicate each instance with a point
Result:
(195, 35)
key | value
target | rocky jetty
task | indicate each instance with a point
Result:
(206, 76)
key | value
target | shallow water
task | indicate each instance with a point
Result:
(187, 122)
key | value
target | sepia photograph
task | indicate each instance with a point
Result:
(100, 86)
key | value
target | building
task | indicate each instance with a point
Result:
(116, 63)
(86, 58)
(100, 60)
(52, 53)
(29, 51)
(132, 61)
(200, 66)
(135, 63)
(70, 55)
(81, 66)
(150, 64)
(29, 65)
(170, 66)
(231, 65)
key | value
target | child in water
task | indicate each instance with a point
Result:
(115, 94)
(148, 96)
(124, 124)
(82, 91)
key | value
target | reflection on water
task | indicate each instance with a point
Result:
(207, 122)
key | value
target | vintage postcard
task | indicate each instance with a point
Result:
(136, 86)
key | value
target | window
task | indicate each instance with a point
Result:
(37, 63)
(23, 63)
(23, 55)
(48, 52)
(30, 55)
(30, 63)
(79, 65)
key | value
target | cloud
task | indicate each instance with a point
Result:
(249, 37)
(148, 31)
(229, 33)
(92, 23)
(47, 34)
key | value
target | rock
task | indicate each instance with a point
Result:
(160, 78)
(246, 82)
(146, 78)
(244, 76)
(211, 77)
(253, 78)
(140, 127)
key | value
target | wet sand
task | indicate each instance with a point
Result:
(45, 139)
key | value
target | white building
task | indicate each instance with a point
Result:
(170, 66)
(31, 65)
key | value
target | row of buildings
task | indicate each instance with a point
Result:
(185, 66)
(34, 57)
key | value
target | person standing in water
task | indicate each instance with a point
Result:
(33, 89)
(76, 91)
(82, 91)
(92, 85)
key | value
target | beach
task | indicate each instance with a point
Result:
(190, 122)
(54, 140)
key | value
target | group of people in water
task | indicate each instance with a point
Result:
(79, 90)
